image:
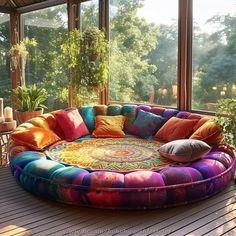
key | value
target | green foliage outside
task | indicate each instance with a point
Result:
(143, 56)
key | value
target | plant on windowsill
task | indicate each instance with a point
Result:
(87, 57)
(30, 101)
(226, 119)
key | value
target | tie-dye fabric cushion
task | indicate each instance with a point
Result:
(88, 114)
(130, 112)
(114, 110)
(146, 124)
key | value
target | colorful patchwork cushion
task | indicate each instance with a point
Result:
(130, 112)
(175, 128)
(168, 113)
(109, 127)
(88, 115)
(69, 175)
(17, 149)
(222, 157)
(209, 132)
(35, 137)
(146, 124)
(104, 179)
(208, 168)
(139, 179)
(144, 108)
(23, 158)
(184, 150)
(158, 110)
(42, 168)
(100, 110)
(72, 124)
(180, 175)
(114, 110)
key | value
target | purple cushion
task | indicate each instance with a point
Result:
(168, 113)
(146, 124)
(143, 178)
(183, 114)
(104, 179)
(208, 168)
(180, 175)
(222, 157)
(144, 108)
(184, 150)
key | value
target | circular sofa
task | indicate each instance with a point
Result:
(170, 184)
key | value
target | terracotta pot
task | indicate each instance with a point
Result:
(22, 116)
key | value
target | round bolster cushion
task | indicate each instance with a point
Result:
(23, 158)
(142, 179)
(42, 168)
(222, 157)
(69, 175)
(104, 179)
(180, 175)
(208, 168)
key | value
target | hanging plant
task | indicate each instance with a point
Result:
(87, 57)
(18, 53)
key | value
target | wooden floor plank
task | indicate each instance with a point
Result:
(224, 229)
(209, 222)
(232, 232)
(163, 221)
(22, 213)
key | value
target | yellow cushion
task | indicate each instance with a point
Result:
(109, 127)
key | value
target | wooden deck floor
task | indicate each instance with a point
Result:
(24, 214)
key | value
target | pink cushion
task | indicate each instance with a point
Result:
(72, 124)
(143, 178)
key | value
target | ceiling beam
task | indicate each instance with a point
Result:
(12, 3)
(7, 10)
(40, 5)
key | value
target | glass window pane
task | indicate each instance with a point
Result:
(48, 27)
(89, 18)
(5, 80)
(89, 14)
(214, 52)
(143, 51)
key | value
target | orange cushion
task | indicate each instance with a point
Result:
(200, 122)
(34, 137)
(109, 127)
(209, 133)
(175, 128)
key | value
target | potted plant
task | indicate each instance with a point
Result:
(87, 57)
(226, 119)
(30, 102)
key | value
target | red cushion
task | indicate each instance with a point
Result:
(72, 124)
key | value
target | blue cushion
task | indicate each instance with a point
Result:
(146, 124)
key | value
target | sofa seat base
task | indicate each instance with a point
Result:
(166, 186)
